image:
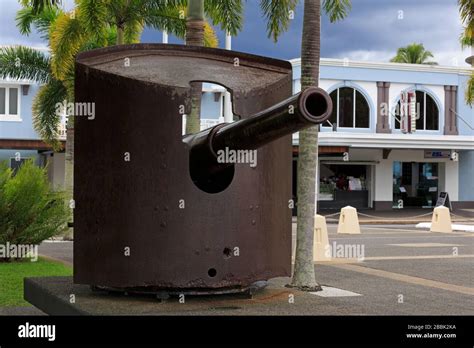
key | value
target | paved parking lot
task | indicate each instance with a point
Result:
(405, 271)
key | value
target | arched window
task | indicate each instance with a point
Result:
(426, 110)
(350, 108)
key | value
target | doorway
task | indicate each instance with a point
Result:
(415, 184)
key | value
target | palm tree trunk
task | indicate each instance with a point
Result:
(121, 26)
(69, 170)
(303, 273)
(120, 39)
(195, 37)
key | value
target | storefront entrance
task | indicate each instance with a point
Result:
(343, 184)
(415, 184)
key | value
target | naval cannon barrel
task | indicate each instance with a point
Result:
(308, 108)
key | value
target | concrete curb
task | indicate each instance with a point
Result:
(53, 259)
(47, 301)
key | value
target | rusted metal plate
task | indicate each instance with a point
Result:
(138, 204)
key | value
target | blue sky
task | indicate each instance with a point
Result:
(373, 31)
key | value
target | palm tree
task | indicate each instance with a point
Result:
(303, 273)
(466, 10)
(21, 62)
(103, 23)
(414, 53)
(125, 19)
(26, 63)
(97, 21)
(226, 13)
(35, 66)
(195, 37)
(90, 25)
(67, 36)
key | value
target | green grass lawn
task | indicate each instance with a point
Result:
(12, 274)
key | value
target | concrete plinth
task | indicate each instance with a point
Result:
(59, 296)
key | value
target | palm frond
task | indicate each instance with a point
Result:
(337, 9)
(116, 11)
(227, 14)
(111, 38)
(277, 14)
(26, 18)
(40, 5)
(20, 62)
(413, 54)
(424, 56)
(467, 37)
(46, 113)
(66, 39)
(169, 18)
(466, 10)
(163, 4)
(210, 37)
(132, 31)
(470, 91)
(93, 16)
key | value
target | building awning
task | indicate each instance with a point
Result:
(395, 141)
(362, 163)
(11, 81)
(326, 150)
(24, 144)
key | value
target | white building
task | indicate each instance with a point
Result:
(365, 159)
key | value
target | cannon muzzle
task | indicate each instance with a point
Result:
(308, 108)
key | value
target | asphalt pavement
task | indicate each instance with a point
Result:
(402, 271)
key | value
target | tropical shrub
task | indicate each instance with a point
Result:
(30, 210)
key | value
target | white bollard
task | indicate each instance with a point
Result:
(321, 250)
(348, 221)
(441, 221)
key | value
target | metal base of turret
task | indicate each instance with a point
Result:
(165, 294)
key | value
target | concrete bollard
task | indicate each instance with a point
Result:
(441, 221)
(321, 251)
(348, 221)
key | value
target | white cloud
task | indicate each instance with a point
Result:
(373, 56)
(10, 35)
(376, 32)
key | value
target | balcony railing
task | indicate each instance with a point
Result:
(208, 123)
